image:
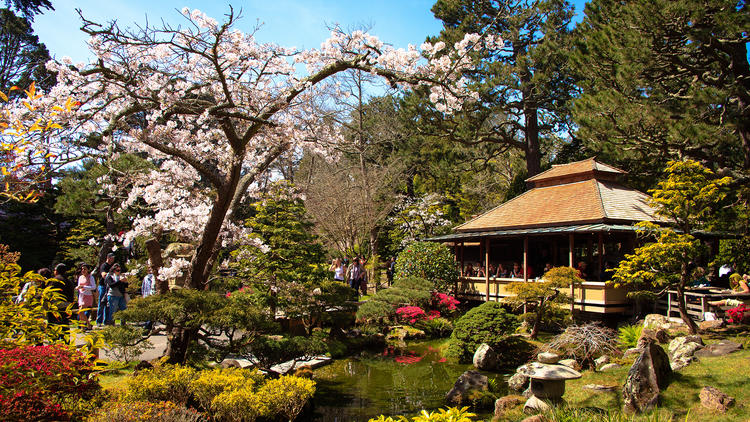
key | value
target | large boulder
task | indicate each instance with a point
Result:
(468, 381)
(714, 399)
(682, 349)
(656, 322)
(649, 374)
(721, 348)
(518, 382)
(485, 358)
(508, 402)
(659, 335)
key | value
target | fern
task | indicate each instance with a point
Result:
(629, 335)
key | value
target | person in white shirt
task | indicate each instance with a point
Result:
(148, 288)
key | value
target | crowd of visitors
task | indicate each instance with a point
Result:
(100, 294)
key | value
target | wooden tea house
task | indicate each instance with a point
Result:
(578, 214)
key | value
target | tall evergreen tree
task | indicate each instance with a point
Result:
(525, 87)
(22, 56)
(664, 80)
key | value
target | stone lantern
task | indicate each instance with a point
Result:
(547, 382)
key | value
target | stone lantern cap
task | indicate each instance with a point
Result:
(551, 372)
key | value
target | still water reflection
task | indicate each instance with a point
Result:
(357, 389)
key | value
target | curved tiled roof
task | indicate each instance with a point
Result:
(579, 202)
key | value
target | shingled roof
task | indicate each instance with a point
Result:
(583, 192)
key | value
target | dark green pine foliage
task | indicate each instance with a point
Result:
(664, 80)
(524, 88)
(22, 56)
(293, 255)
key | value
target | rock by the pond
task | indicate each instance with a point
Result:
(648, 375)
(508, 402)
(659, 335)
(632, 351)
(548, 357)
(535, 405)
(535, 418)
(714, 399)
(656, 322)
(724, 347)
(609, 367)
(679, 342)
(711, 325)
(570, 363)
(230, 363)
(600, 387)
(485, 358)
(601, 360)
(518, 382)
(467, 382)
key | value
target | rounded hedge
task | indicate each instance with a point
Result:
(429, 260)
(487, 323)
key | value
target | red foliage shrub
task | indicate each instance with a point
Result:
(44, 382)
(739, 315)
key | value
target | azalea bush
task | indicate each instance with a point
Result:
(429, 260)
(739, 315)
(51, 382)
(407, 291)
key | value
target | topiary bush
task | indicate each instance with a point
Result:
(429, 260)
(46, 383)
(487, 323)
(162, 383)
(143, 411)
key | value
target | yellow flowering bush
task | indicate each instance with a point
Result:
(163, 383)
(212, 383)
(143, 411)
(242, 405)
(287, 395)
(451, 414)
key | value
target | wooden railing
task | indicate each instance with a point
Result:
(589, 296)
(696, 301)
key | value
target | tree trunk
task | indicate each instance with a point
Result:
(179, 340)
(684, 276)
(533, 153)
(153, 248)
(537, 320)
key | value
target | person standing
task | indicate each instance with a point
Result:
(117, 287)
(391, 270)
(102, 309)
(86, 286)
(148, 288)
(355, 274)
(60, 282)
(338, 269)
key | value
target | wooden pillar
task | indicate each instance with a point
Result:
(601, 256)
(487, 268)
(462, 259)
(571, 245)
(525, 258)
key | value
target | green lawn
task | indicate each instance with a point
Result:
(730, 374)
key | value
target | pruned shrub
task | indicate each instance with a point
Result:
(584, 343)
(409, 291)
(45, 383)
(143, 411)
(162, 383)
(436, 327)
(210, 383)
(126, 342)
(487, 323)
(428, 260)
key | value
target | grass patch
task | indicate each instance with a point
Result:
(678, 402)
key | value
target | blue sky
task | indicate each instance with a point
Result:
(291, 23)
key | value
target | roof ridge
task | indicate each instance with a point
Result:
(491, 209)
(601, 199)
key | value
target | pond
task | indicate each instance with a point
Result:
(357, 389)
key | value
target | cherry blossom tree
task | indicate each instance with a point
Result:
(213, 108)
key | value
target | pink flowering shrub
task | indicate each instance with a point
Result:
(739, 315)
(412, 314)
(444, 301)
(44, 383)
